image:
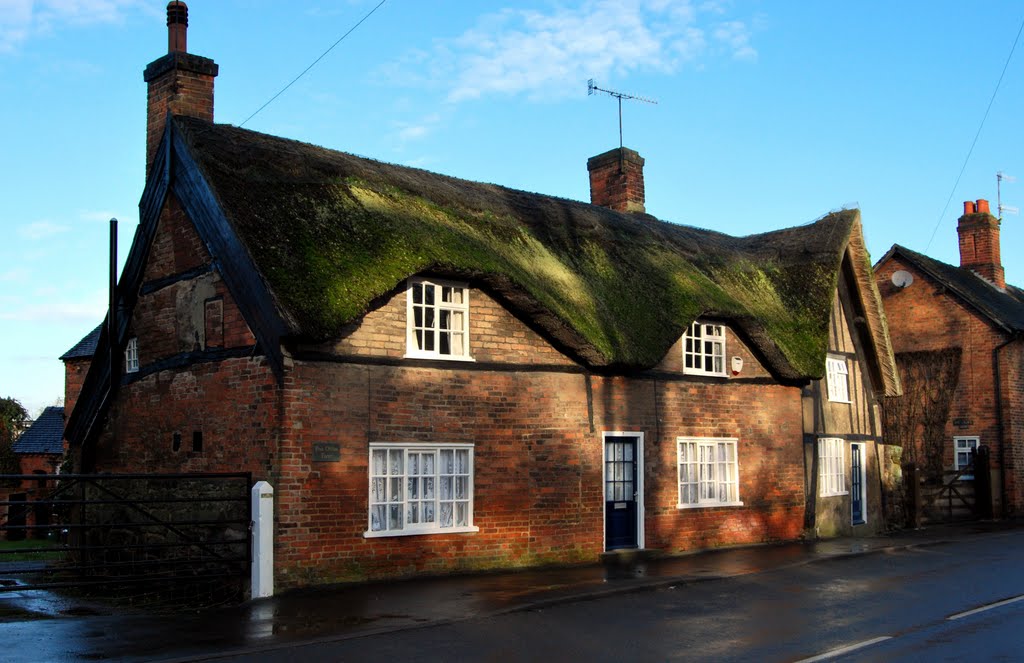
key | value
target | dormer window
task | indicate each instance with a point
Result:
(838, 378)
(437, 319)
(704, 349)
(131, 355)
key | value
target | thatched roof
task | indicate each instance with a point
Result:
(331, 234)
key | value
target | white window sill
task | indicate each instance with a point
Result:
(704, 375)
(836, 400)
(708, 505)
(845, 492)
(420, 532)
(427, 355)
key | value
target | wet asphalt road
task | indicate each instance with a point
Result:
(791, 614)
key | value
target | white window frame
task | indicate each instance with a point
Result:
(131, 355)
(394, 489)
(832, 467)
(966, 449)
(701, 342)
(702, 467)
(837, 373)
(458, 339)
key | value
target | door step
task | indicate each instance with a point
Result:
(627, 562)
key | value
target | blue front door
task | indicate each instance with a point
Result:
(620, 492)
(857, 482)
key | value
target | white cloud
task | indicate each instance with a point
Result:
(87, 309)
(735, 35)
(22, 19)
(549, 54)
(98, 215)
(416, 130)
(41, 230)
(16, 275)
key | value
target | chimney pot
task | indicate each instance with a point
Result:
(969, 207)
(177, 27)
(982, 206)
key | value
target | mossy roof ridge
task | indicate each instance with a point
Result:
(332, 233)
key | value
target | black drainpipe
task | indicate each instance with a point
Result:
(112, 344)
(999, 420)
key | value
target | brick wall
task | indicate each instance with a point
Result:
(924, 317)
(538, 464)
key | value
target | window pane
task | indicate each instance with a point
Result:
(379, 462)
(428, 512)
(461, 514)
(395, 517)
(377, 514)
(417, 293)
(446, 488)
(377, 490)
(446, 514)
(428, 294)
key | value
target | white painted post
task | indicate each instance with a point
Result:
(262, 540)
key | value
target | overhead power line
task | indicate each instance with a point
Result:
(976, 136)
(314, 63)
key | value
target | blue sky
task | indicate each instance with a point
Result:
(769, 114)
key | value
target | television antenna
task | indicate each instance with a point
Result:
(1000, 207)
(592, 88)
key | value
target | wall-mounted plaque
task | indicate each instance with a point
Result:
(326, 452)
(962, 422)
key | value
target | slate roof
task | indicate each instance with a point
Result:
(331, 233)
(86, 347)
(1003, 308)
(44, 436)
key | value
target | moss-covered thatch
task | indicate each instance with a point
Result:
(331, 233)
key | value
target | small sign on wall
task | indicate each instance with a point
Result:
(326, 452)
(962, 422)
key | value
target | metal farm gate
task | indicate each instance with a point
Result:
(151, 539)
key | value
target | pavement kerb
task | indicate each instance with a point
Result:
(639, 585)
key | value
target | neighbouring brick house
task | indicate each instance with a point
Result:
(40, 449)
(437, 374)
(959, 337)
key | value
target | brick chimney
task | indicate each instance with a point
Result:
(617, 180)
(979, 242)
(179, 83)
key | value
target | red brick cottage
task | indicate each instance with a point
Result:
(958, 333)
(438, 374)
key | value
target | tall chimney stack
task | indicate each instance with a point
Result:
(179, 83)
(617, 180)
(979, 242)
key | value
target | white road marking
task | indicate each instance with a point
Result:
(845, 650)
(990, 606)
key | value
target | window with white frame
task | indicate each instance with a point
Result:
(838, 378)
(831, 466)
(420, 489)
(704, 349)
(962, 447)
(131, 355)
(437, 320)
(708, 472)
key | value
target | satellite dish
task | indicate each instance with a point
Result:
(902, 278)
